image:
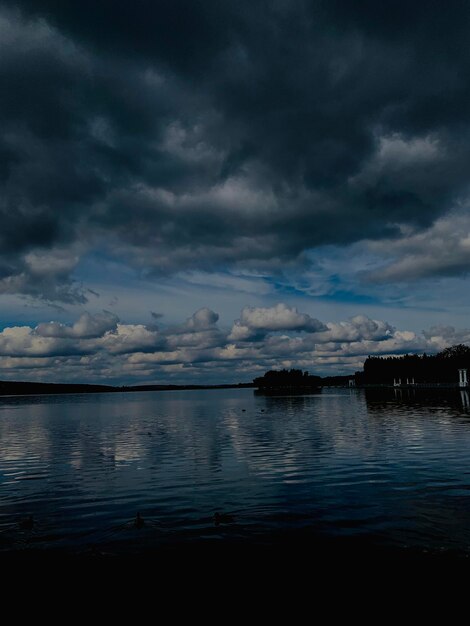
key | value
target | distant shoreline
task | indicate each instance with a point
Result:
(34, 389)
(11, 389)
(29, 388)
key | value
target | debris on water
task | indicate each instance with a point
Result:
(139, 521)
(222, 518)
(27, 523)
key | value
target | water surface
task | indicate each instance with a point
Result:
(394, 469)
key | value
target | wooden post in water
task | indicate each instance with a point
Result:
(463, 380)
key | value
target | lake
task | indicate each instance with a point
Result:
(392, 469)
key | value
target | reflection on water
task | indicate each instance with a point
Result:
(391, 466)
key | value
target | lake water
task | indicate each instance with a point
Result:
(394, 469)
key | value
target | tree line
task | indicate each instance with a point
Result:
(423, 368)
(284, 379)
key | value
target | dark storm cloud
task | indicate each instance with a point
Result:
(189, 134)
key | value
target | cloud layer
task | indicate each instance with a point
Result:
(101, 348)
(180, 135)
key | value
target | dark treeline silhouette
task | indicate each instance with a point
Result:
(287, 379)
(13, 388)
(423, 368)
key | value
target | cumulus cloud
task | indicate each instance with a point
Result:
(129, 338)
(358, 328)
(100, 348)
(204, 319)
(444, 336)
(86, 327)
(22, 341)
(183, 136)
(257, 321)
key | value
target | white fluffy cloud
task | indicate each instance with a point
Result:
(23, 341)
(86, 327)
(203, 319)
(358, 328)
(99, 348)
(257, 321)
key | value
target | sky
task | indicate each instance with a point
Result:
(198, 191)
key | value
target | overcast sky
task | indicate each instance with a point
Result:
(198, 191)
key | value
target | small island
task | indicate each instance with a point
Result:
(291, 381)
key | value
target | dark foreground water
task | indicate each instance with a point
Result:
(388, 470)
